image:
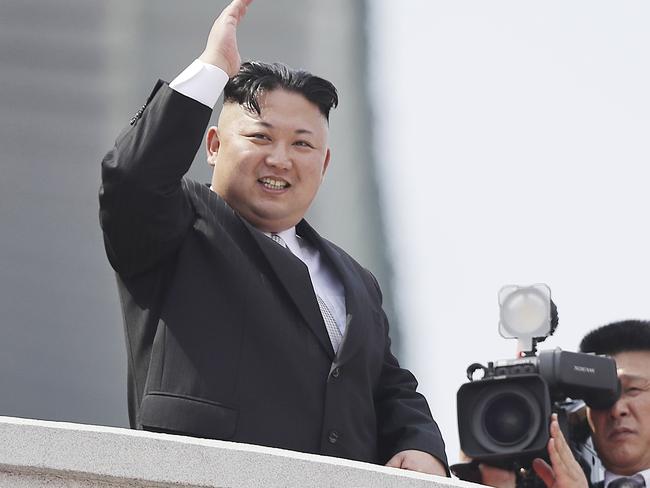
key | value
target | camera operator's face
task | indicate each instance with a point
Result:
(622, 433)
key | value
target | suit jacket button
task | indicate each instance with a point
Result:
(333, 437)
(336, 372)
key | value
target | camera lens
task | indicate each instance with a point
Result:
(507, 419)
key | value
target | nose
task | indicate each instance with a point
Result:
(278, 157)
(620, 409)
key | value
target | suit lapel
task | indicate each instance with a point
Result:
(294, 276)
(356, 301)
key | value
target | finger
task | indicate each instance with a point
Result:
(236, 10)
(544, 471)
(422, 462)
(230, 14)
(242, 8)
(556, 460)
(395, 462)
(556, 443)
(560, 442)
(562, 466)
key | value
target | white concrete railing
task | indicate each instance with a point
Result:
(36, 453)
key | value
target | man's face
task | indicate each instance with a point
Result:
(622, 433)
(269, 167)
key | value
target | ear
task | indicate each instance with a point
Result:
(327, 161)
(212, 144)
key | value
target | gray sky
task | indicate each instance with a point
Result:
(514, 147)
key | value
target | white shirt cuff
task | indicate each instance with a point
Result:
(202, 82)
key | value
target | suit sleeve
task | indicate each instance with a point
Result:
(404, 420)
(144, 211)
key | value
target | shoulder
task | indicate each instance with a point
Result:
(214, 214)
(344, 258)
(205, 201)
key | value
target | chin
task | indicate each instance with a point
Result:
(266, 224)
(272, 222)
(623, 465)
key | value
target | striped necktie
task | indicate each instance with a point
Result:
(636, 481)
(333, 330)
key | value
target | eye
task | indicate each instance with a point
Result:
(303, 144)
(259, 136)
(633, 390)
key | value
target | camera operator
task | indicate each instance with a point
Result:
(621, 434)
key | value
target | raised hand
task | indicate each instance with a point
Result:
(564, 472)
(221, 48)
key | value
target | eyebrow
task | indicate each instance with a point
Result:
(270, 126)
(633, 377)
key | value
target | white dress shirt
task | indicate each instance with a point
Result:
(201, 81)
(204, 83)
(326, 283)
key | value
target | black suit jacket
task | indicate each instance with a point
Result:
(225, 338)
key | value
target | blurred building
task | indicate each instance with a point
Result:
(72, 73)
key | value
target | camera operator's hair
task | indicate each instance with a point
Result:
(255, 78)
(624, 336)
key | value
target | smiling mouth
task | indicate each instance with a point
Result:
(273, 183)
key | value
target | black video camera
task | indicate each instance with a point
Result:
(504, 414)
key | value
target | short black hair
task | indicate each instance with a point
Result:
(623, 336)
(255, 78)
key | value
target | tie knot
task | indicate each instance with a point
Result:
(636, 481)
(279, 240)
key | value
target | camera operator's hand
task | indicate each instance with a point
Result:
(497, 477)
(485, 474)
(564, 472)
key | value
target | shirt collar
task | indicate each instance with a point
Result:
(290, 238)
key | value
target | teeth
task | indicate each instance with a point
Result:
(273, 184)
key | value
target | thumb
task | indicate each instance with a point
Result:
(544, 471)
(395, 461)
